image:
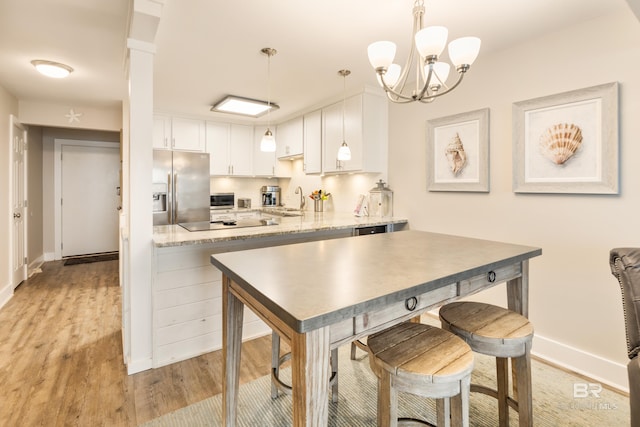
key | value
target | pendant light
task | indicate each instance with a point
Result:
(268, 142)
(344, 153)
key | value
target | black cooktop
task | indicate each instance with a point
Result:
(224, 225)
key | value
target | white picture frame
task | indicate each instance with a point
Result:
(445, 135)
(567, 142)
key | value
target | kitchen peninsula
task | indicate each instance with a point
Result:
(187, 289)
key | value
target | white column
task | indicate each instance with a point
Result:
(140, 204)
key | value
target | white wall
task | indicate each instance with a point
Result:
(8, 106)
(575, 302)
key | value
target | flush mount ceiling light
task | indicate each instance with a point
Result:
(52, 69)
(243, 106)
(430, 74)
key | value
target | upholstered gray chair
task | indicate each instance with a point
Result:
(625, 266)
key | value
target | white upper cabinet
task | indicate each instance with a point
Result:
(365, 131)
(218, 147)
(162, 132)
(313, 142)
(289, 140)
(177, 133)
(230, 148)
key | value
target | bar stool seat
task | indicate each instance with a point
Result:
(426, 361)
(503, 334)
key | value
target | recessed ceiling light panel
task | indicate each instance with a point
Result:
(52, 69)
(243, 106)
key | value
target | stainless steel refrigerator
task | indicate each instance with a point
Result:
(180, 187)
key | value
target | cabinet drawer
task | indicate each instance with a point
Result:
(408, 308)
(490, 278)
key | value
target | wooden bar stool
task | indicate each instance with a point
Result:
(422, 360)
(503, 334)
(276, 361)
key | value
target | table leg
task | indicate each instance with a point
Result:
(518, 292)
(232, 313)
(310, 371)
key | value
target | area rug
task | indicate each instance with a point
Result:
(91, 258)
(559, 399)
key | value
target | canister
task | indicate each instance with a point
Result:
(381, 200)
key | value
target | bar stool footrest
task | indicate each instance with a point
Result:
(477, 388)
(284, 387)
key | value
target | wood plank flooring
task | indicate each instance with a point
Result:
(61, 356)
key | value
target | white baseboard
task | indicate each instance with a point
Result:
(34, 266)
(606, 371)
(49, 256)
(133, 367)
(6, 293)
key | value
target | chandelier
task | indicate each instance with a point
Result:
(430, 74)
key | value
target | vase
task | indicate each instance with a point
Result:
(318, 205)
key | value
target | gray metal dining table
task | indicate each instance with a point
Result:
(320, 295)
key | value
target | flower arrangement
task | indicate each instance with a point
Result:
(319, 195)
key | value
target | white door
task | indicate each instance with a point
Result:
(18, 203)
(90, 200)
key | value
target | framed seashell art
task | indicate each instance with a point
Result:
(458, 152)
(567, 143)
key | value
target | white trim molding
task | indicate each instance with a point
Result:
(606, 371)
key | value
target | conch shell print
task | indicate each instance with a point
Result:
(456, 157)
(560, 141)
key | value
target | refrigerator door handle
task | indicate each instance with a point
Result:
(175, 198)
(170, 201)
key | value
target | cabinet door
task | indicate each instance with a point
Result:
(161, 132)
(217, 137)
(264, 163)
(187, 134)
(332, 135)
(241, 150)
(290, 138)
(313, 142)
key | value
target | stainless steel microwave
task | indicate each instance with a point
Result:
(222, 200)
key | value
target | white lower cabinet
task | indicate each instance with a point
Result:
(187, 305)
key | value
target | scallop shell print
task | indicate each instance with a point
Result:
(456, 157)
(560, 142)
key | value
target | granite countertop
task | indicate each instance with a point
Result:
(175, 235)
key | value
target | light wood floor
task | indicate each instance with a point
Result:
(61, 356)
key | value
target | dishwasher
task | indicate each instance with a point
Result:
(374, 229)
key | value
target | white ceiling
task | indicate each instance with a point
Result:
(209, 48)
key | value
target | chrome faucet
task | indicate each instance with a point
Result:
(303, 201)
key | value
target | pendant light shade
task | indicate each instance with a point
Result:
(268, 142)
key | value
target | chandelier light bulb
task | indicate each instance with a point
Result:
(431, 41)
(464, 51)
(441, 73)
(381, 54)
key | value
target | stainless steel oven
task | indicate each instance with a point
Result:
(222, 200)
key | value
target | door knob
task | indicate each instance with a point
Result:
(17, 215)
